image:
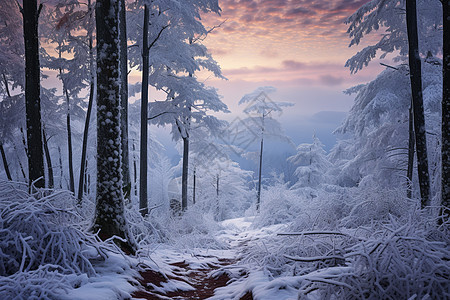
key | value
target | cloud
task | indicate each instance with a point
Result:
(302, 73)
(331, 80)
(271, 14)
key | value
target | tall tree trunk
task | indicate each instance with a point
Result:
(143, 204)
(110, 211)
(22, 170)
(446, 109)
(258, 196)
(124, 98)
(411, 142)
(32, 94)
(5, 162)
(69, 140)
(184, 175)
(83, 164)
(194, 187)
(48, 158)
(61, 173)
(416, 91)
(134, 171)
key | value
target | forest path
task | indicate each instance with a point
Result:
(197, 274)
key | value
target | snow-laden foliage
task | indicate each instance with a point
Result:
(389, 17)
(311, 164)
(374, 144)
(222, 188)
(47, 282)
(36, 232)
(350, 243)
(406, 258)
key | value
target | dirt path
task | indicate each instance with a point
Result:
(202, 280)
(197, 276)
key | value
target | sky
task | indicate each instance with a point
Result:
(297, 46)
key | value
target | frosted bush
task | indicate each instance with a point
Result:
(193, 230)
(407, 259)
(278, 205)
(34, 232)
(46, 282)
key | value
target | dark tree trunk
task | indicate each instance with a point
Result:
(124, 99)
(411, 142)
(143, 204)
(5, 162)
(22, 170)
(194, 187)
(61, 173)
(24, 142)
(416, 91)
(32, 94)
(134, 171)
(258, 196)
(48, 158)
(110, 210)
(83, 164)
(184, 175)
(446, 109)
(69, 143)
(84, 146)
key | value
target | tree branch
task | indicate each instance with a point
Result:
(160, 114)
(20, 7)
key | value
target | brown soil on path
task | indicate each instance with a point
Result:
(203, 284)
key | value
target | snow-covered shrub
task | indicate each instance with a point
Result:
(35, 232)
(278, 205)
(407, 259)
(46, 282)
(193, 229)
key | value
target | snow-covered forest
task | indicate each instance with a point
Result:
(94, 205)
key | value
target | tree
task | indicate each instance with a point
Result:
(259, 104)
(445, 189)
(123, 51)
(30, 13)
(401, 35)
(109, 214)
(143, 201)
(415, 74)
(170, 57)
(312, 164)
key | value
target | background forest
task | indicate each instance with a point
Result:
(92, 202)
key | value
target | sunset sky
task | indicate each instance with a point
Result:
(298, 46)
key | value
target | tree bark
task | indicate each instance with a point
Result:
(143, 204)
(124, 98)
(83, 164)
(32, 94)
(445, 192)
(416, 91)
(48, 158)
(411, 142)
(5, 162)
(184, 175)
(110, 211)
